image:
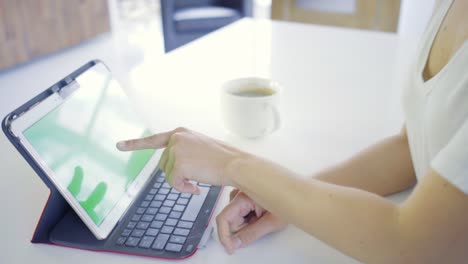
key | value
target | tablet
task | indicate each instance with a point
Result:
(71, 134)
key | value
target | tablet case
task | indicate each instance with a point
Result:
(58, 218)
(56, 205)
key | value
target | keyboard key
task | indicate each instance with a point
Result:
(163, 190)
(144, 204)
(126, 232)
(169, 203)
(166, 185)
(157, 224)
(171, 222)
(136, 217)
(160, 179)
(177, 239)
(165, 210)
(182, 201)
(131, 225)
(167, 229)
(175, 191)
(186, 195)
(160, 241)
(160, 217)
(149, 197)
(181, 232)
(160, 197)
(185, 224)
(173, 247)
(157, 186)
(151, 211)
(138, 233)
(153, 190)
(120, 241)
(152, 232)
(140, 210)
(178, 208)
(195, 204)
(146, 242)
(172, 196)
(132, 241)
(156, 204)
(142, 225)
(147, 218)
(174, 214)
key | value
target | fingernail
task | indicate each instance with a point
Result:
(120, 145)
(237, 243)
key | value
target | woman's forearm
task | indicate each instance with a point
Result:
(354, 220)
(383, 168)
(358, 223)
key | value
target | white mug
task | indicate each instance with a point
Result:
(250, 106)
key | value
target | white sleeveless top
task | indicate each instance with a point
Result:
(437, 111)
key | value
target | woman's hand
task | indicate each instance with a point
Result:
(189, 156)
(244, 221)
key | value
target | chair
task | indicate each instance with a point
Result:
(186, 20)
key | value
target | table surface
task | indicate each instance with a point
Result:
(341, 91)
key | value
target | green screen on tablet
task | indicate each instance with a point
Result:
(77, 142)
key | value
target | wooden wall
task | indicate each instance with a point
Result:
(31, 28)
(379, 15)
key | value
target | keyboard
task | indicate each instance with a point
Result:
(163, 219)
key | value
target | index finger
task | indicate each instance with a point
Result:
(155, 141)
(224, 233)
(230, 215)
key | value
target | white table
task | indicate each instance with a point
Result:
(340, 94)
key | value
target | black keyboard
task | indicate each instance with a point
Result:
(163, 219)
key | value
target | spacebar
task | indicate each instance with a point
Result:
(195, 205)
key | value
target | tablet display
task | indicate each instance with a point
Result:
(75, 141)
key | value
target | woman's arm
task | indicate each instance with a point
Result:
(430, 227)
(383, 168)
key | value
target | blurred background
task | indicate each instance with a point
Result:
(33, 29)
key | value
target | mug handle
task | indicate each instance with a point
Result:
(276, 119)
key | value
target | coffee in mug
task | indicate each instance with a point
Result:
(254, 91)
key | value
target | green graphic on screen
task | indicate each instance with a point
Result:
(77, 142)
